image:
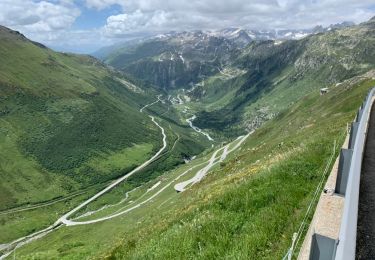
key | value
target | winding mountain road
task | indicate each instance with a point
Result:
(198, 177)
(65, 218)
(180, 187)
(148, 105)
(200, 174)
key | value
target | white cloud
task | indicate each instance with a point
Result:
(101, 4)
(159, 15)
(44, 21)
(33, 17)
(50, 21)
(136, 22)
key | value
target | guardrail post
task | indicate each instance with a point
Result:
(322, 248)
(353, 134)
(343, 171)
(359, 115)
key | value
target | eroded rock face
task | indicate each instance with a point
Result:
(342, 53)
(176, 60)
(257, 120)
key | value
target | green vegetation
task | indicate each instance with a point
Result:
(247, 207)
(18, 224)
(279, 75)
(67, 122)
(237, 89)
(70, 125)
(253, 211)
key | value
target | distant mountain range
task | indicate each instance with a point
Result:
(242, 37)
(182, 59)
(233, 68)
(239, 36)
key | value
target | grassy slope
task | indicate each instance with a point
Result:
(60, 116)
(248, 207)
(181, 142)
(251, 208)
(68, 126)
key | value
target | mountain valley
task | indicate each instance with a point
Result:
(188, 145)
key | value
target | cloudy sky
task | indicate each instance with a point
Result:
(85, 25)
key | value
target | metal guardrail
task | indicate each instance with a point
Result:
(348, 230)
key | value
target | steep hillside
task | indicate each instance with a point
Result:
(253, 212)
(180, 60)
(67, 122)
(279, 74)
(248, 207)
(233, 88)
(173, 61)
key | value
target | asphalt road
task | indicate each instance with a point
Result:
(182, 186)
(365, 248)
(65, 218)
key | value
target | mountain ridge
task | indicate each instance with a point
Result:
(236, 34)
(242, 75)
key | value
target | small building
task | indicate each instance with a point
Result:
(323, 91)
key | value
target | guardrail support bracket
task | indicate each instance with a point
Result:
(343, 171)
(322, 248)
(353, 134)
(359, 115)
